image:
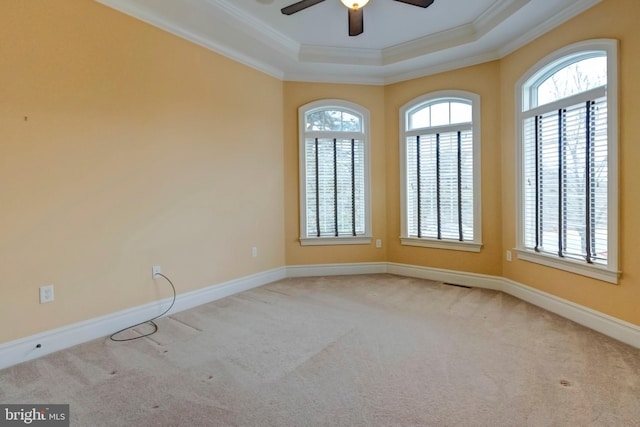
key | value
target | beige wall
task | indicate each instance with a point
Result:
(371, 98)
(122, 146)
(611, 19)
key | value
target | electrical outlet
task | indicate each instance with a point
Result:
(254, 252)
(508, 255)
(155, 270)
(46, 294)
(378, 243)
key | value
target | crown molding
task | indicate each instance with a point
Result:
(256, 27)
(467, 33)
(441, 67)
(560, 17)
(249, 41)
(338, 55)
(142, 14)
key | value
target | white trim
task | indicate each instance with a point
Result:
(341, 269)
(552, 21)
(235, 33)
(442, 244)
(470, 32)
(432, 130)
(328, 241)
(615, 328)
(24, 349)
(594, 271)
(172, 26)
(446, 276)
(570, 101)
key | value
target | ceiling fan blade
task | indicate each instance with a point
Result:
(297, 7)
(420, 3)
(356, 22)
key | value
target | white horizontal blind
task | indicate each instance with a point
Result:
(565, 180)
(335, 187)
(439, 173)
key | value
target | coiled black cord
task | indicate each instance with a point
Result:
(150, 321)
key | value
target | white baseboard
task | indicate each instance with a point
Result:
(336, 269)
(24, 349)
(607, 325)
(446, 276)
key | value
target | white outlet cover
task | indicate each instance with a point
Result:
(46, 294)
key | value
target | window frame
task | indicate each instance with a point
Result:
(351, 108)
(523, 90)
(476, 244)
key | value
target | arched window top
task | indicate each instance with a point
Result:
(565, 77)
(439, 112)
(332, 117)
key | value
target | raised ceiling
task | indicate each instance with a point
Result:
(400, 41)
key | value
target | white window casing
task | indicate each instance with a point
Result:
(440, 177)
(334, 150)
(566, 148)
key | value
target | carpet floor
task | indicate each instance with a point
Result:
(369, 350)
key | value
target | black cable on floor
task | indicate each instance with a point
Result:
(150, 321)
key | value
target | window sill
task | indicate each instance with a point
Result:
(442, 244)
(593, 271)
(329, 241)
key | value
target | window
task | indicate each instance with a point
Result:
(440, 158)
(334, 174)
(567, 161)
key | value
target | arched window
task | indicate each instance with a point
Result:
(568, 161)
(334, 173)
(440, 158)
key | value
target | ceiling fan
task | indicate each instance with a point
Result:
(356, 20)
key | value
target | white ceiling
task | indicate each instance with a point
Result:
(400, 41)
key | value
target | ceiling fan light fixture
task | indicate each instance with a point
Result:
(351, 4)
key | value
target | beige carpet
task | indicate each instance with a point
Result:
(374, 350)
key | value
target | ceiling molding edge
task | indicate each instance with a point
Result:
(334, 55)
(498, 12)
(442, 40)
(323, 77)
(463, 34)
(554, 21)
(334, 78)
(256, 28)
(442, 67)
(369, 57)
(125, 7)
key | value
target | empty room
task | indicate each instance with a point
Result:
(319, 213)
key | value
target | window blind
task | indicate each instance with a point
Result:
(565, 177)
(439, 173)
(335, 183)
